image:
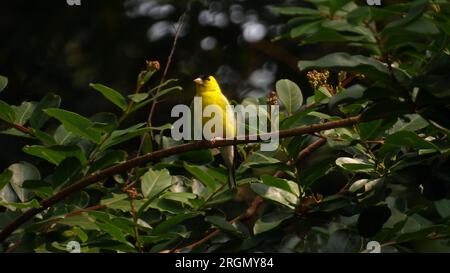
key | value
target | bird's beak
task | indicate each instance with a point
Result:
(198, 81)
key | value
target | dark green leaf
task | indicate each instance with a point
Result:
(23, 112)
(112, 230)
(3, 82)
(351, 63)
(290, 95)
(283, 184)
(75, 123)
(39, 187)
(275, 194)
(7, 112)
(5, 177)
(111, 94)
(173, 221)
(107, 159)
(22, 172)
(202, 176)
(39, 117)
(30, 204)
(56, 154)
(223, 224)
(405, 139)
(271, 220)
(154, 183)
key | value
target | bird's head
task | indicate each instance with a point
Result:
(206, 84)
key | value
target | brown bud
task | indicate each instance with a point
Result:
(153, 65)
(272, 99)
(132, 193)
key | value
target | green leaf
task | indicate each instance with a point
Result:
(416, 10)
(443, 207)
(271, 220)
(30, 204)
(108, 158)
(40, 188)
(138, 97)
(114, 199)
(22, 172)
(337, 5)
(23, 112)
(173, 221)
(275, 194)
(112, 95)
(82, 220)
(378, 109)
(405, 139)
(154, 183)
(3, 82)
(322, 95)
(7, 194)
(44, 137)
(104, 122)
(223, 224)
(67, 171)
(39, 117)
(119, 136)
(5, 177)
(374, 129)
(183, 197)
(412, 122)
(75, 123)
(166, 91)
(354, 164)
(351, 63)
(55, 154)
(7, 112)
(283, 184)
(257, 159)
(62, 136)
(350, 94)
(112, 230)
(305, 28)
(202, 176)
(290, 95)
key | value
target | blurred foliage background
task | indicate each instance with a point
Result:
(49, 46)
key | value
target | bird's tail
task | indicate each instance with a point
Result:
(232, 178)
(229, 158)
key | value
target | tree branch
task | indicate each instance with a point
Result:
(247, 214)
(139, 160)
(311, 148)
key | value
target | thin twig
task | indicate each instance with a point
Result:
(154, 102)
(166, 69)
(310, 148)
(247, 214)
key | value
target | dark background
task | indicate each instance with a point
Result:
(49, 46)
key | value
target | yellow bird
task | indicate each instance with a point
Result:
(209, 90)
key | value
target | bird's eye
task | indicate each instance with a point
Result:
(205, 78)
